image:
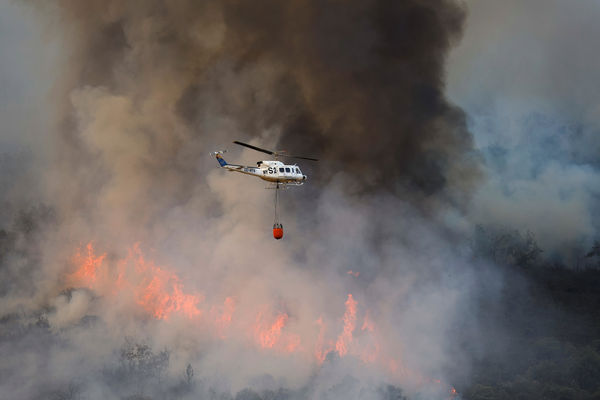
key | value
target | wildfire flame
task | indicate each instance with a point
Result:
(160, 293)
(268, 336)
(345, 338)
(85, 275)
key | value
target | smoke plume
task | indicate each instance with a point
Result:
(150, 269)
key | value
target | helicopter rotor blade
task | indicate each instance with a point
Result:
(253, 147)
(275, 153)
(300, 157)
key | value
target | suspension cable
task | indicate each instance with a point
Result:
(276, 221)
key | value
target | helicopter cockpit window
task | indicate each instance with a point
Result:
(297, 170)
(287, 170)
(281, 169)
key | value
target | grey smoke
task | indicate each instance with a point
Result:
(145, 91)
(524, 73)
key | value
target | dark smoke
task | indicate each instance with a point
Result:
(359, 84)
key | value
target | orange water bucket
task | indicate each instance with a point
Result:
(277, 231)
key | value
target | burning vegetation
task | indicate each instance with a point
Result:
(161, 295)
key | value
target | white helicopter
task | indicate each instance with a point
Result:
(276, 172)
(271, 171)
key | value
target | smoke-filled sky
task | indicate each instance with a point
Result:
(429, 117)
(525, 74)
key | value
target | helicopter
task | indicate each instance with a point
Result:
(273, 171)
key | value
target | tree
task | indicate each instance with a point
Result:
(140, 364)
(189, 374)
(504, 246)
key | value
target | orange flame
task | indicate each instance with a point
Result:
(268, 336)
(157, 290)
(354, 274)
(89, 264)
(345, 338)
(160, 293)
(453, 393)
(271, 335)
(163, 295)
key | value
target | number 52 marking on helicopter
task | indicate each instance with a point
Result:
(269, 170)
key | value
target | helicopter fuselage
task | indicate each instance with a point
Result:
(270, 171)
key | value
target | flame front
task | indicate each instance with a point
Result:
(160, 293)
